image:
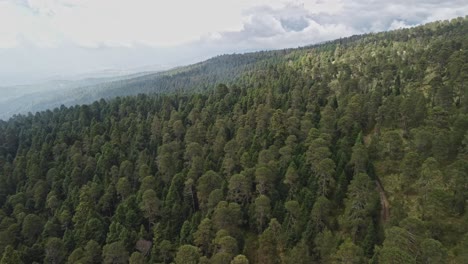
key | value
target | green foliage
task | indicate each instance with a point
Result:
(348, 253)
(137, 258)
(343, 152)
(240, 259)
(10, 256)
(115, 253)
(54, 251)
(187, 254)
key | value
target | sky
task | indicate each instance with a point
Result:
(46, 39)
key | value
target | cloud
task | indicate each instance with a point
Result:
(93, 23)
(68, 35)
(378, 15)
(296, 24)
(397, 24)
(157, 23)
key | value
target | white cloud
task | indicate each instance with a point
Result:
(97, 23)
(93, 23)
(18, 24)
(397, 24)
(44, 37)
(286, 26)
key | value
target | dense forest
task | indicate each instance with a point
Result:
(351, 151)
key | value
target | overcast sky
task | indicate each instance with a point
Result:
(40, 39)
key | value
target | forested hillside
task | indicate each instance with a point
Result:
(21, 99)
(353, 151)
(197, 77)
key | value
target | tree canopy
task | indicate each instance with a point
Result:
(349, 151)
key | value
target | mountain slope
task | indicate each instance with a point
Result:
(22, 99)
(196, 77)
(351, 151)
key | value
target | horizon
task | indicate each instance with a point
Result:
(71, 38)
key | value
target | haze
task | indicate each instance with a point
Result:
(62, 39)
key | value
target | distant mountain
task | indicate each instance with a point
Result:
(107, 84)
(196, 77)
(21, 99)
(111, 73)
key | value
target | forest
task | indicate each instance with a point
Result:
(350, 151)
